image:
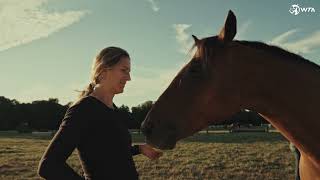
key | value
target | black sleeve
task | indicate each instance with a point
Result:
(135, 150)
(53, 163)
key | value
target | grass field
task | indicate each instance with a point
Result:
(202, 156)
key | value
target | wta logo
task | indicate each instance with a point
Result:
(295, 9)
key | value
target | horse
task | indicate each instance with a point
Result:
(225, 76)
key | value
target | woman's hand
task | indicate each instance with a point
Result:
(149, 151)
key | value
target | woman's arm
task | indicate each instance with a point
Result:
(53, 163)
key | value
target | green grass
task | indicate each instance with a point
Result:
(202, 156)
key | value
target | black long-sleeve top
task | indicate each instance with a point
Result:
(100, 135)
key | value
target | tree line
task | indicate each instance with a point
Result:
(44, 115)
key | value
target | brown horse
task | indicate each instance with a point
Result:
(225, 76)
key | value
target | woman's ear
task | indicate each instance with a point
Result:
(102, 75)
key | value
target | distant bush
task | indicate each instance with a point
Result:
(24, 128)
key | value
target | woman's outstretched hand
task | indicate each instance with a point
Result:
(149, 151)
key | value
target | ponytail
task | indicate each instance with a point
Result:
(86, 92)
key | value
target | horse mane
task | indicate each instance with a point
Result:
(278, 51)
(257, 45)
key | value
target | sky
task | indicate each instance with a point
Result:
(47, 46)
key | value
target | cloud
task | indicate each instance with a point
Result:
(140, 89)
(154, 6)
(183, 38)
(283, 37)
(243, 29)
(143, 88)
(302, 46)
(43, 91)
(25, 22)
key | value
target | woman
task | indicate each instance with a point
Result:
(95, 127)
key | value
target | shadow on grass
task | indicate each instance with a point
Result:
(15, 135)
(242, 137)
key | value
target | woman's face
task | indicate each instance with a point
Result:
(116, 77)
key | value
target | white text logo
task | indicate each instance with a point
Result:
(295, 9)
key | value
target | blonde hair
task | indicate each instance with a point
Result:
(107, 57)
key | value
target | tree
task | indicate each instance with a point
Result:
(140, 112)
(124, 108)
(8, 113)
(126, 111)
(46, 115)
(244, 117)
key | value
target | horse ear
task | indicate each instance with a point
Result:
(229, 30)
(196, 40)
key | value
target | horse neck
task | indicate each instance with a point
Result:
(284, 92)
